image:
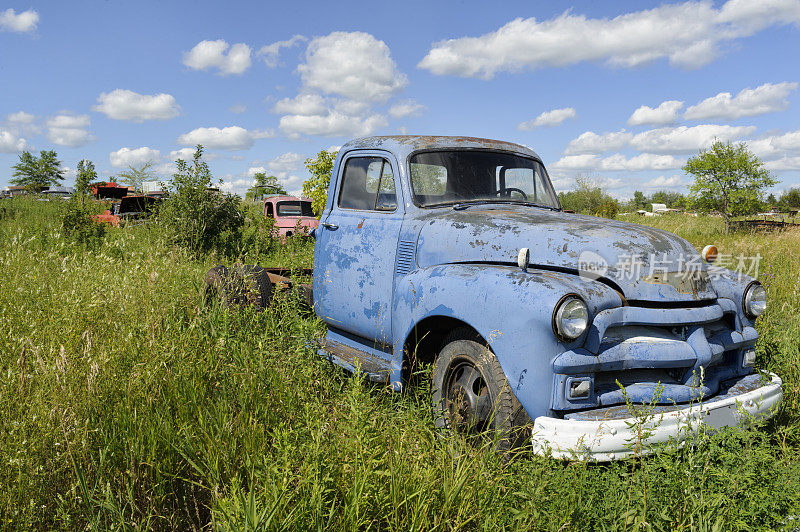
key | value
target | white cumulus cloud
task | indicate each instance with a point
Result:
(343, 76)
(784, 163)
(750, 16)
(22, 123)
(789, 142)
(292, 183)
(124, 157)
(302, 104)
(662, 182)
(21, 117)
(283, 167)
(591, 142)
(685, 139)
(354, 65)
(236, 186)
(219, 54)
(67, 129)
(226, 138)
(287, 162)
(22, 22)
(776, 146)
(253, 170)
(270, 53)
(331, 124)
(548, 119)
(187, 154)
(122, 104)
(406, 108)
(643, 161)
(618, 162)
(11, 143)
(767, 98)
(688, 34)
(665, 113)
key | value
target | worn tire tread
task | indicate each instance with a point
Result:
(512, 418)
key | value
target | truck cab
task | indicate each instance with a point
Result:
(541, 325)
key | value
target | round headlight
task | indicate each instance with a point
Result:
(755, 300)
(571, 318)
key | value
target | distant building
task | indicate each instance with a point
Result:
(150, 187)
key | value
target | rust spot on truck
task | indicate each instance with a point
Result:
(684, 282)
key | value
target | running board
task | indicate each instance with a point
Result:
(372, 366)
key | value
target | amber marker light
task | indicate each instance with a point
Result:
(709, 253)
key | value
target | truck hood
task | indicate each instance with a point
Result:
(644, 263)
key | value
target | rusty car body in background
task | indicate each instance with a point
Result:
(133, 209)
(541, 325)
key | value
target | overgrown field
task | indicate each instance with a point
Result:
(127, 403)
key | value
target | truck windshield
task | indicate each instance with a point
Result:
(464, 176)
(295, 208)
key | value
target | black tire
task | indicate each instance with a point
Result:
(471, 394)
(216, 281)
(239, 286)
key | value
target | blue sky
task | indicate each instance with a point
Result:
(621, 92)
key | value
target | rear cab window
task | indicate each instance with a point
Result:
(295, 208)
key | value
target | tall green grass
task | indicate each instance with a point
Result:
(127, 404)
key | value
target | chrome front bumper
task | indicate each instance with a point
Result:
(612, 433)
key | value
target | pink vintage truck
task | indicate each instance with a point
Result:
(291, 214)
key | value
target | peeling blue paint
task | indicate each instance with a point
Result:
(649, 339)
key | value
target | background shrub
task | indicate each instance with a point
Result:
(78, 227)
(197, 218)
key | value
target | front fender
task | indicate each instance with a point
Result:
(511, 309)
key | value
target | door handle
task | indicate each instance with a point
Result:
(332, 227)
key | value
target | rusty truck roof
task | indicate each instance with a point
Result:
(402, 145)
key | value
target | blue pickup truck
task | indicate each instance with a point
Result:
(542, 326)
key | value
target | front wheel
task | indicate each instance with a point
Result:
(471, 394)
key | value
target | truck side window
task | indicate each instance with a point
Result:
(269, 210)
(368, 185)
(387, 198)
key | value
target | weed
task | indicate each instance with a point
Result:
(79, 228)
(128, 404)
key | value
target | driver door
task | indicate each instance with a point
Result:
(359, 240)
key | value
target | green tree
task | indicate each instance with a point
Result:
(38, 173)
(86, 176)
(587, 197)
(264, 184)
(639, 200)
(134, 176)
(673, 200)
(316, 188)
(729, 179)
(790, 200)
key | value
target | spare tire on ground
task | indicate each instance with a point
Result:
(239, 286)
